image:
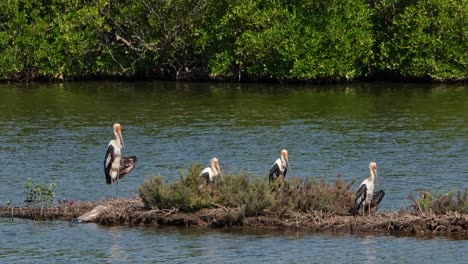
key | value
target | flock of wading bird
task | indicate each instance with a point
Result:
(116, 167)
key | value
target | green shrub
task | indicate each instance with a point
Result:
(248, 192)
(441, 203)
(183, 194)
(190, 193)
(151, 192)
(39, 193)
(310, 194)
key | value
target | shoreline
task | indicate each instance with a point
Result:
(132, 212)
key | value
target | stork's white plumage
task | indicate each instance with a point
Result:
(365, 196)
(209, 173)
(116, 166)
(280, 167)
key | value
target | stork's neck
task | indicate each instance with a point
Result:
(283, 162)
(372, 175)
(117, 139)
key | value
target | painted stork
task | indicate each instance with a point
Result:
(209, 173)
(280, 167)
(366, 198)
(116, 166)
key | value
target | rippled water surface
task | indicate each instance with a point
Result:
(41, 242)
(59, 132)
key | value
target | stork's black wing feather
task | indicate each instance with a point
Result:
(361, 195)
(274, 172)
(127, 164)
(108, 163)
(377, 197)
(205, 176)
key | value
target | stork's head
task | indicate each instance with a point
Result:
(373, 168)
(118, 133)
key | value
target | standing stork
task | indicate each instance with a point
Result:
(366, 198)
(209, 173)
(280, 167)
(116, 166)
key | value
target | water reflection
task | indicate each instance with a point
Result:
(368, 244)
(117, 253)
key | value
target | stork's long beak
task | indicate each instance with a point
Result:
(284, 153)
(376, 178)
(220, 173)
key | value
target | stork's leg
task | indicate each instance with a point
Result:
(112, 190)
(118, 188)
(369, 206)
(118, 176)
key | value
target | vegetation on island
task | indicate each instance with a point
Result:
(39, 194)
(440, 203)
(248, 192)
(239, 40)
(252, 195)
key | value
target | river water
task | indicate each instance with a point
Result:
(59, 132)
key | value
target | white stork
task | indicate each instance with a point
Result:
(280, 167)
(116, 166)
(366, 198)
(209, 173)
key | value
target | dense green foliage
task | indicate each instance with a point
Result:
(248, 192)
(423, 39)
(237, 40)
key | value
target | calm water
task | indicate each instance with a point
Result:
(59, 132)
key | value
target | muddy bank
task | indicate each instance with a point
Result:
(133, 212)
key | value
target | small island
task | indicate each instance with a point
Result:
(244, 200)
